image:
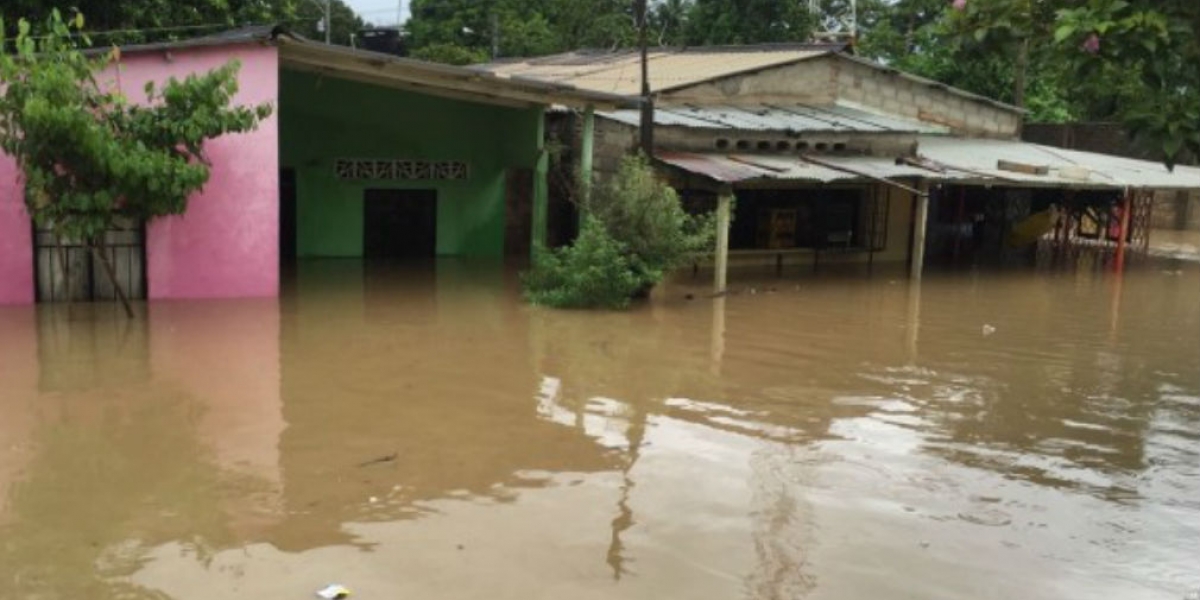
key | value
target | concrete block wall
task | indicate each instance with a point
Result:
(1176, 210)
(828, 79)
(808, 82)
(611, 141)
(895, 94)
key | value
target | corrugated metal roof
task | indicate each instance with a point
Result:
(777, 117)
(620, 72)
(978, 159)
(972, 161)
(738, 168)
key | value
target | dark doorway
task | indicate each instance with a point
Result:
(399, 224)
(518, 212)
(287, 216)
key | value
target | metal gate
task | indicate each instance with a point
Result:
(58, 261)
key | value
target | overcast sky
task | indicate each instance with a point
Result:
(379, 12)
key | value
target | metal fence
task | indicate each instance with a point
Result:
(59, 262)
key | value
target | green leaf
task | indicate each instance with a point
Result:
(1063, 32)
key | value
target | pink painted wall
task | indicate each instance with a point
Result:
(227, 244)
(16, 244)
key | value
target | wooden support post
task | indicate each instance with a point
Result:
(1123, 232)
(586, 149)
(920, 223)
(724, 201)
(541, 187)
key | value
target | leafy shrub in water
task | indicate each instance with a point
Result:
(593, 272)
(635, 232)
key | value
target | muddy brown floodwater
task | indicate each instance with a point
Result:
(424, 434)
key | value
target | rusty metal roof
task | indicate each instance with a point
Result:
(836, 118)
(619, 72)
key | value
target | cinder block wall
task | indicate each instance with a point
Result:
(921, 100)
(612, 140)
(829, 79)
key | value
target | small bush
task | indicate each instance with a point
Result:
(593, 272)
(634, 233)
(645, 214)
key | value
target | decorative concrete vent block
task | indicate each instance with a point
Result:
(400, 169)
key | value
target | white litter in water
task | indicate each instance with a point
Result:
(334, 591)
(988, 330)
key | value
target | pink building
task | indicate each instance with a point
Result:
(226, 245)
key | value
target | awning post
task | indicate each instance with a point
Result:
(585, 154)
(541, 172)
(1126, 208)
(919, 228)
(724, 201)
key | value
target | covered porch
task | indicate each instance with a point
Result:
(953, 198)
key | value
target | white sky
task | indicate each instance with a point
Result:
(379, 12)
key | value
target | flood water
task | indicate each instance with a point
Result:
(424, 434)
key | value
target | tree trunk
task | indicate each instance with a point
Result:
(97, 249)
(1019, 77)
(62, 264)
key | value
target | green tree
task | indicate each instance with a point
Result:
(634, 233)
(89, 157)
(453, 30)
(133, 21)
(713, 22)
(307, 16)
(1153, 48)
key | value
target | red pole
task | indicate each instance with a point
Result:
(1126, 208)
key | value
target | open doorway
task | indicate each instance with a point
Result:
(399, 224)
(287, 216)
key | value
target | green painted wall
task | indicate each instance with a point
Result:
(323, 118)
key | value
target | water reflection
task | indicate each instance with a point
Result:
(420, 432)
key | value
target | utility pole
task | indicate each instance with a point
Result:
(495, 35)
(647, 120)
(325, 25)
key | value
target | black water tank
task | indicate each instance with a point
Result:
(387, 40)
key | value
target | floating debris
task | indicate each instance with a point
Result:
(382, 459)
(334, 591)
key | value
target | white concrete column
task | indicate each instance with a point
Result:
(724, 201)
(586, 150)
(920, 225)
